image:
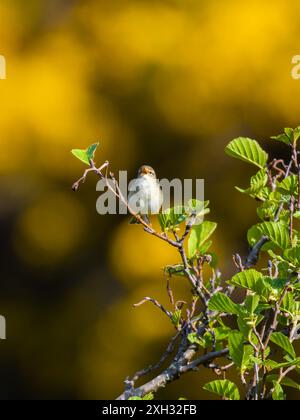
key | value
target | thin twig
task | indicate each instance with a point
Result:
(177, 368)
(156, 303)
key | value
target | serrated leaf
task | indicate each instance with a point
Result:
(257, 183)
(296, 134)
(235, 345)
(246, 359)
(149, 396)
(292, 255)
(198, 209)
(284, 381)
(247, 150)
(253, 235)
(175, 270)
(240, 354)
(243, 326)
(222, 303)
(267, 210)
(251, 303)
(278, 393)
(290, 136)
(198, 236)
(289, 185)
(282, 341)
(90, 151)
(221, 333)
(247, 279)
(283, 138)
(276, 232)
(195, 339)
(288, 303)
(172, 217)
(271, 364)
(223, 388)
(81, 155)
(85, 155)
(176, 317)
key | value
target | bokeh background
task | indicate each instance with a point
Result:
(162, 82)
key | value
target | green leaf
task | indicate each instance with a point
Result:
(240, 354)
(288, 303)
(283, 342)
(271, 287)
(292, 255)
(175, 270)
(163, 221)
(198, 209)
(235, 345)
(246, 360)
(278, 393)
(297, 214)
(223, 388)
(283, 138)
(247, 279)
(90, 151)
(243, 326)
(276, 232)
(267, 210)
(285, 381)
(253, 235)
(290, 136)
(271, 364)
(214, 259)
(85, 155)
(257, 183)
(198, 236)
(172, 217)
(289, 185)
(247, 150)
(195, 339)
(149, 396)
(81, 155)
(222, 303)
(296, 134)
(176, 317)
(251, 303)
(221, 333)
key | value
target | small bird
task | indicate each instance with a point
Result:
(145, 195)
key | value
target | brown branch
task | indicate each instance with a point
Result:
(174, 371)
(170, 293)
(151, 368)
(118, 194)
(156, 303)
(291, 209)
(274, 323)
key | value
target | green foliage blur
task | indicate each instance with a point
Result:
(166, 83)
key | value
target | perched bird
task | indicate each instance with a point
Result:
(145, 195)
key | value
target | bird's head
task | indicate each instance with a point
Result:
(146, 170)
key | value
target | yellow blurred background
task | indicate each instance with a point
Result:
(166, 83)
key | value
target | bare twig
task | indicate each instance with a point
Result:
(177, 368)
(170, 293)
(157, 365)
(156, 303)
